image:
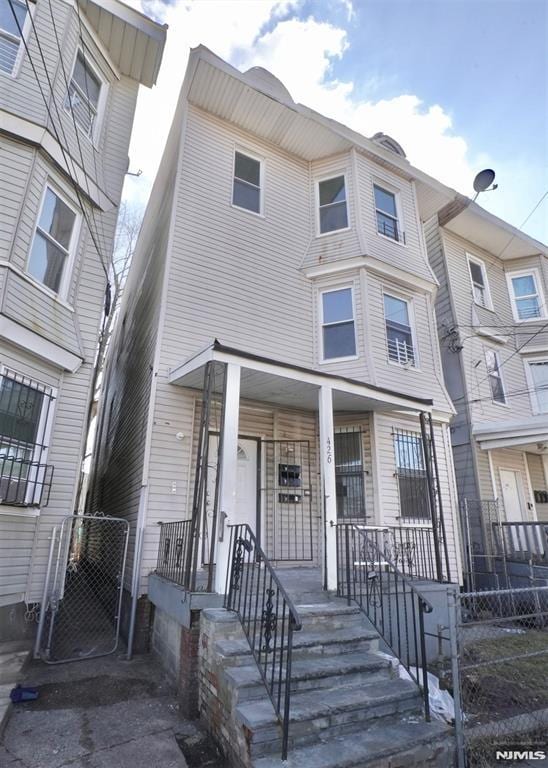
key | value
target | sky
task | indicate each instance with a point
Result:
(462, 85)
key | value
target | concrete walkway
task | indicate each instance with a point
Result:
(98, 713)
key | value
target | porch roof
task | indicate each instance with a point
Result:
(529, 435)
(273, 381)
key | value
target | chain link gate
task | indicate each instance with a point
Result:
(81, 605)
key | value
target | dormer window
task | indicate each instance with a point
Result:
(247, 184)
(10, 36)
(332, 207)
(83, 94)
(386, 210)
(480, 285)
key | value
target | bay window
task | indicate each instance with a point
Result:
(338, 327)
(399, 332)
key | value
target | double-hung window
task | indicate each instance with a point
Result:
(538, 370)
(411, 474)
(399, 332)
(526, 297)
(10, 36)
(247, 183)
(53, 241)
(480, 285)
(24, 410)
(387, 213)
(333, 212)
(83, 94)
(492, 362)
(338, 329)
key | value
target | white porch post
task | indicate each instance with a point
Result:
(327, 469)
(229, 472)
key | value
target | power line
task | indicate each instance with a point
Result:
(56, 132)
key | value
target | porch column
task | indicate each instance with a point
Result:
(229, 474)
(327, 469)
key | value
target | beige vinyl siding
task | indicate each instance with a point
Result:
(16, 543)
(409, 257)
(15, 167)
(538, 482)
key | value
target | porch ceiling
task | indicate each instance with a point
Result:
(271, 381)
(529, 435)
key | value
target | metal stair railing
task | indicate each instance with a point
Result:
(267, 615)
(367, 575)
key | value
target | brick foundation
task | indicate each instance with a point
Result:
(189, 667)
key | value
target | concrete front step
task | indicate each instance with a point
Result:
(336, 711)
(308, 643)
(410, 743)
(314, 673)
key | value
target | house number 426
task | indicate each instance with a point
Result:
(329, 451)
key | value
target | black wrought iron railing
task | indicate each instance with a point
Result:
(368, 576)
(173, 551)
(268, 618)
(412, 550)
(24, 482)
(522, 541)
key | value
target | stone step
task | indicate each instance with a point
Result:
(407, 743)
(337, 711)
(316, 673)
(308, 643)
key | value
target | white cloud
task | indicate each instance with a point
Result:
(302, 52)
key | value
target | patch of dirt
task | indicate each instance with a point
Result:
(200, 751)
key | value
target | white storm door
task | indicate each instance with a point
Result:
(512, 497)
(246, 488)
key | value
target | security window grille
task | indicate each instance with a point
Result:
(349, 475)
(539, 374)
(399, 334)
(52, 241)
(479, 283)
(10, 37)
(492, 362)
(526, 297)
(339, 337)
(386, 211)
(332, 199)
(83, 94)
(24, 412)
(246, 192)
(411, 474)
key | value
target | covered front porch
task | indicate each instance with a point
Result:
(292, 453)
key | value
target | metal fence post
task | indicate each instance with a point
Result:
(454, 624)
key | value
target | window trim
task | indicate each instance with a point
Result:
(62, 293)
(47, 418)
(331, 289)
(409, 300)
(470, 258)
(496, 352)
(21, 50)
(396, 191)
(317, 181)
(253, 156)
(535, 407)
(93, 137)
(534, 272)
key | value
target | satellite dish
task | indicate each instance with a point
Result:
(483, 180)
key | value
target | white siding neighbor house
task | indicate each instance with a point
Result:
(69, 77)
(493, 328)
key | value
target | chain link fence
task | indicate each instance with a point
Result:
(502, 662)
(82, 593)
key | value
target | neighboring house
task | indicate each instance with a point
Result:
(493, 329)
(69, 78)
(277, 332)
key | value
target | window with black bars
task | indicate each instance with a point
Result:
(411, 475)
(349, 475)
(25, 406)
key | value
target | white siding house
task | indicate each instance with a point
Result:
(68, 91)
(288, 251)
(492, 324)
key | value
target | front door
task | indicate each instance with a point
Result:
(512, 497)
(246, 488)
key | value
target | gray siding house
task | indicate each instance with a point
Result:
(69, 78)
(274, 381)
(493, 329)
